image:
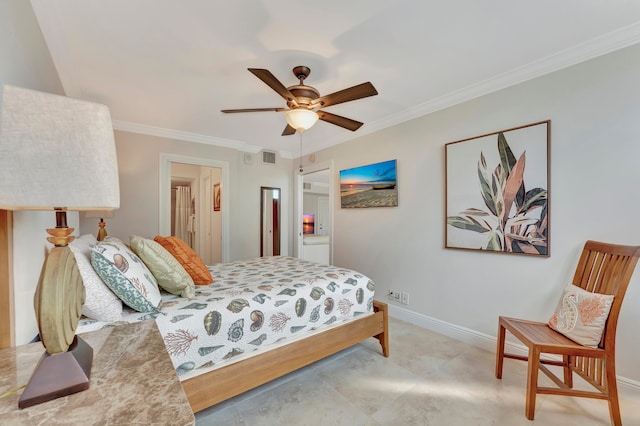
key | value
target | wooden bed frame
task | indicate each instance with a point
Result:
(208, 389)
(223, 383)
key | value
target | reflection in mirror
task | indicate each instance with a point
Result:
(316, 219)
(315, 203)
(269, 221)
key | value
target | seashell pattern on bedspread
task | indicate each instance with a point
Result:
(253, 304)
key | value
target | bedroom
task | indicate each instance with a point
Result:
(593, 106)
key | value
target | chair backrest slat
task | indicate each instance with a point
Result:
(606, 269)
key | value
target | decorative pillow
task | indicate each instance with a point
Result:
(100, 302)
(126, 275)
(581, 315)
(188, 258)
(165, 268)
(110, 239)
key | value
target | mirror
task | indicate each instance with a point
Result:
(269, 221)
(316, 217)
(315, 203)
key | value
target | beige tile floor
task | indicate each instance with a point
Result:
(429, 379)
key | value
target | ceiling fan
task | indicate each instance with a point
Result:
(305, 103)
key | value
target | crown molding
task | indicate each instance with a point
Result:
(144, 129)
(598, 46)
(162, 132)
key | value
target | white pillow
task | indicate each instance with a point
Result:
(581, 315)
(100, 302)
(126, 275)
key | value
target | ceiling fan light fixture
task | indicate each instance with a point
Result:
(301, 118)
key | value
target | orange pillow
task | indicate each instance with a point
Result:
(188, 258)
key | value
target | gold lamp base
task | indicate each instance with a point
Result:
(102, 232)
(61, 234)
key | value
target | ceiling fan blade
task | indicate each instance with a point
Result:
(288, 131)
(338, 120)
(271, 81)
(253, 110)
(360, 91)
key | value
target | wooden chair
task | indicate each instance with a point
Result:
(602, 268)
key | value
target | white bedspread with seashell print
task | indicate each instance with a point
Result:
(252, 305)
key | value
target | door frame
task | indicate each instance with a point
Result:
(164, 205)
(299, 193)
(205, 223)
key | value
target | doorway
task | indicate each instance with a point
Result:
(269, 221)
(206, 185)
(194, 216)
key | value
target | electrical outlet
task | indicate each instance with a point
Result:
(391, 295)
(405, 298)
(396, 296)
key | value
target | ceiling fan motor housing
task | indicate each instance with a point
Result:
(304, 95)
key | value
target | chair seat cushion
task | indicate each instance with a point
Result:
(581, 315)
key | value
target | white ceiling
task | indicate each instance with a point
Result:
(167, 67)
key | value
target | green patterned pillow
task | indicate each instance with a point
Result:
(126, 275)
(169, 273)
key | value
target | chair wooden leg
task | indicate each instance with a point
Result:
(568, 373)
(532, 382)
(500, 350)
(614, 404)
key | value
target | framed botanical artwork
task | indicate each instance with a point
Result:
(497, 191)
(216, 197)
(373, 185)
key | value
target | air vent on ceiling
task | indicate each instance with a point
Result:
(268, 157)
(306, 185)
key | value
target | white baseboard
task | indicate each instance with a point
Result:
(629, 389)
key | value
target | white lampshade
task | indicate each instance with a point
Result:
(301, 118)
(56, 152)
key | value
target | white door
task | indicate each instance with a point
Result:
(267, 221)
(323, 216)
(206, 226)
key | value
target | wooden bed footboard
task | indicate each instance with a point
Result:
(216, 386)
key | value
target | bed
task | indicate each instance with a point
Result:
(261, 319)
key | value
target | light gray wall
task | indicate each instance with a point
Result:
(25, 62)
(138, 163)
(595, 172)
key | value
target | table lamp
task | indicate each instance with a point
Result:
(100, 214)
(57, 153)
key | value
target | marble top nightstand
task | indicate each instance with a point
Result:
(132, 382)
